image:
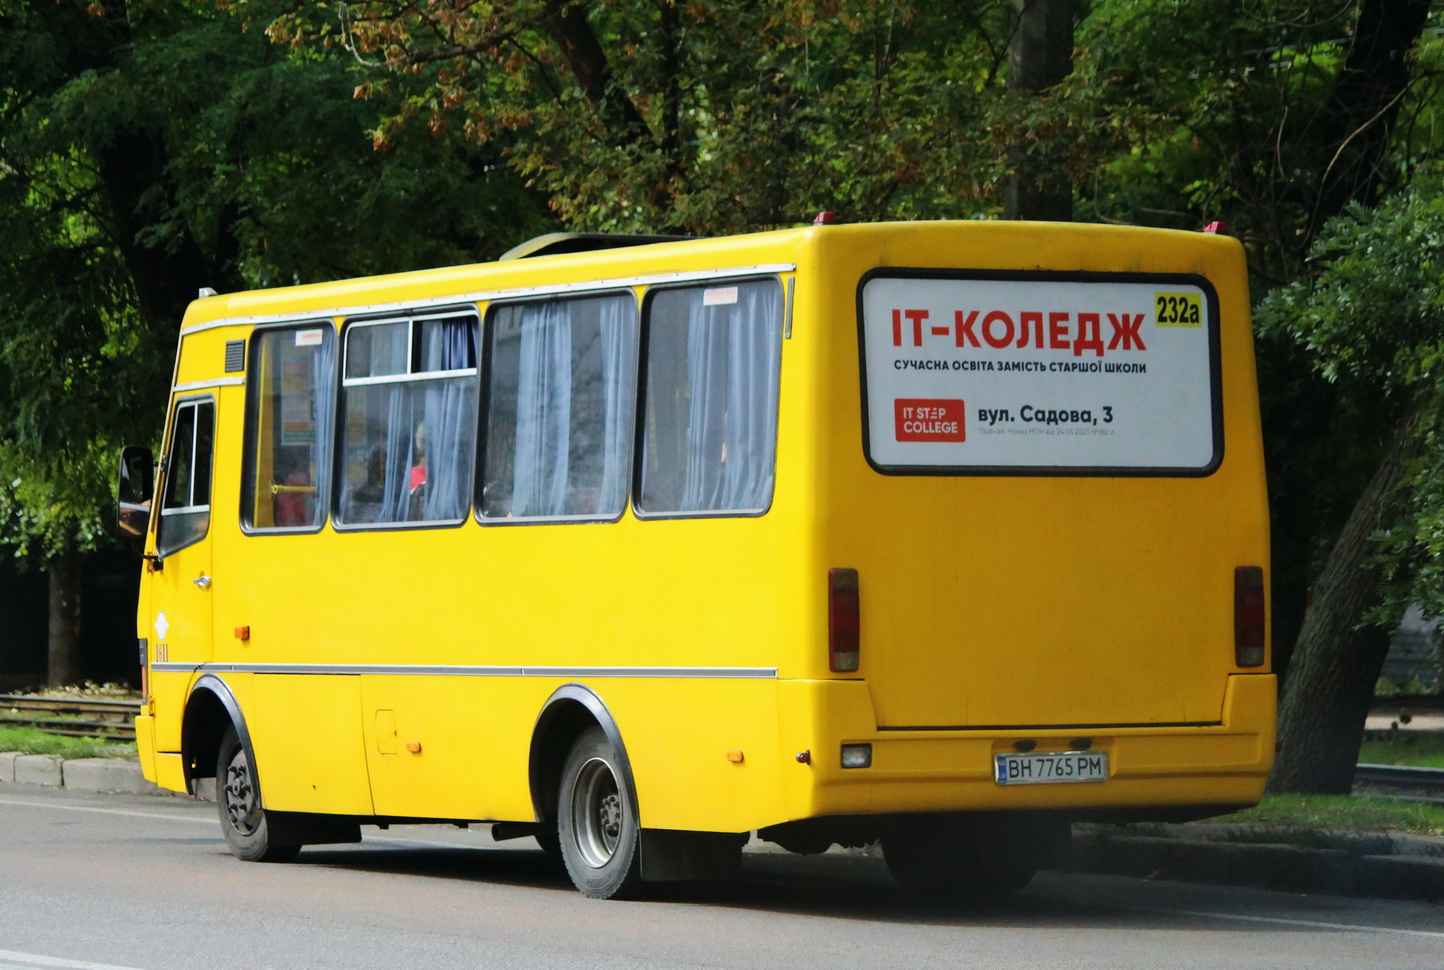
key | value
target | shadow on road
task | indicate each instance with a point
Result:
(834, 886)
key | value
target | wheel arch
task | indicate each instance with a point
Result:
(571, 709)
(210, 709)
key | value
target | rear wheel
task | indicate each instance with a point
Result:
(238, 800)
(597, 820)
(948, 859)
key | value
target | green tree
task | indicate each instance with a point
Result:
(147, 150)
(650, 115)
(1371, 322)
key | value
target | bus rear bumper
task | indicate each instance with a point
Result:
(1164, 768)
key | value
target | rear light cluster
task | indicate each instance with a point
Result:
(843, 621)
(1248, 616)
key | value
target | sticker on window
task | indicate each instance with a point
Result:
(1041, 374)
(719, 296)
(309, 338)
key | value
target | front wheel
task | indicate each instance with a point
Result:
(597, 820)
(238, 799)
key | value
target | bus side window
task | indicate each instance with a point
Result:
(710, 424)
(408, 424)
(288, 419)
(560, 400)
(185, 512)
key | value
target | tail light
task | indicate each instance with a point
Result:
(1248, 616)
(843, 620)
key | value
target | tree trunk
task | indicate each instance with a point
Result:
(1336, 661)
(65, 586)
(1040, 55)
(1364, 104)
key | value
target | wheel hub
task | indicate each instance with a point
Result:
(242, 806)
(597, 813)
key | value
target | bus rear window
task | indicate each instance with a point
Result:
(1040, 374)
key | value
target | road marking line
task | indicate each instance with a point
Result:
(373, 840)
(105, 811)
(1310, 923)
(33, 961)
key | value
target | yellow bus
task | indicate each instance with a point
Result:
(942, 535)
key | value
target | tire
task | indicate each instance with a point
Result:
(597, 822)
(238, 801)
(948, 862)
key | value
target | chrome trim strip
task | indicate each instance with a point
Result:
(465, 670)
(202, 385)
(765, 269)
(411, 377)
(185, 509)
(213, 325)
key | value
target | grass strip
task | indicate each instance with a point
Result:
(1424, 749)
(28, 740)
(1340, 813)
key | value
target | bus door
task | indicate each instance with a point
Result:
(181, 582)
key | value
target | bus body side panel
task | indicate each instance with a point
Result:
(457, 747)
(305, 722)
(704, 753)
(450, 747)
(308, 761)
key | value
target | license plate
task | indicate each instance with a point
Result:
(1050, 768)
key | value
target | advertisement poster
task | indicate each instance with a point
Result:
(1042, 374)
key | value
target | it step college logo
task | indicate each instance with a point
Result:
(930, 419)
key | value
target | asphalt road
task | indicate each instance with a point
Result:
(92, 882)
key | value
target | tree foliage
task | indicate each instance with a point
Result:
(1371, 322)
(150, 149)
(708, 117)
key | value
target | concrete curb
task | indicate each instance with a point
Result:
(1364, 865)
(38, 769)
(78, 774)
(106, 774)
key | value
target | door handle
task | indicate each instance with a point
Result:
(204, 582)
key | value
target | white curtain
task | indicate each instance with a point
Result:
(449, 417)
(543, 411)
(390, 349)
(619, 340)
(732, 361)
(572, 380)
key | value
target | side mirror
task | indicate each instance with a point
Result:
(134, 485)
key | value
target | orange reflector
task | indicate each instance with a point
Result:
(735, 757)
(243, 633)
(414, 747)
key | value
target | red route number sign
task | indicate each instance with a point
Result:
(930, 419)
